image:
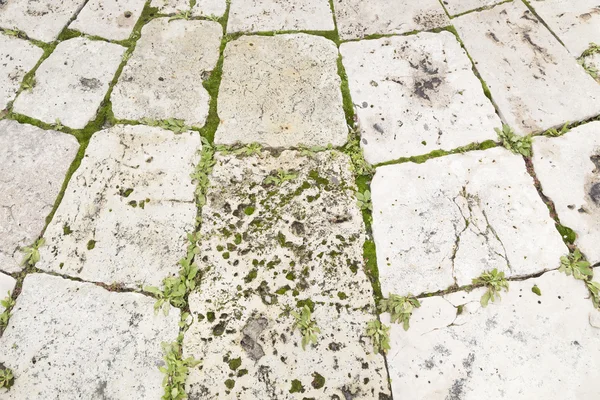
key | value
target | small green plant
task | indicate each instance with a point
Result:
(495, 282)
(176, 370)
(591, 50)
(353, 149)
(29, 84)
(203, 169)
(181, 14)
(11, 32)
(513, 142)
(213, 17)
(555, 133)
(281, 177)
(8, 303)
(7, 378)
(590, 69)
(574, 264)
(400, 308)
(306, 325)
(364, 200)
(32, 253)
(172, 124)
(594, 288)
(57, 124)
(380, 335)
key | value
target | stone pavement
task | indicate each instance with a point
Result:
(301, 199)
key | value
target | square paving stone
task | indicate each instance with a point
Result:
(71, 83)
(74, 340)
(456, 7)
(163, 77)
(535, 82)
(522, 347)
(449, 219)
(127, 208)
(568, 168)
(110, 19)
(7, 285)
(416, 94)
(281, 91)
(33, 168)
(201, 8)
(17, 58)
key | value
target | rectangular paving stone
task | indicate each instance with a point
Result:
(17, 58)
(163, 78)
(201, 8)
(522, 347)
(535, 82)
(76, 340)
(456, 7)
(416, 94)
(33, 167)
(281, 91)
(449, 219)
(71, 83)
(112, 19)
(127, 209)
(7, 285)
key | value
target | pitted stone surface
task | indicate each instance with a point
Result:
(593, 62)
(280, 15)
(522, 347)
(17, 58)
(534, 81)
(76, 340)
(33, 167)
(7, 285)
(568, 168)
(450, 219)
(110, 19)
(202, 8)
(416, 94)
(456, 7)
(358, 18)
(127, 208)
(71, 83)
(163, 78)
(281, 91)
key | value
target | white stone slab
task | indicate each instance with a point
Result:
(110, 19)
(17, 58)
(279, 15)
(450, 219)
(534, 81)
(281, 91)
(416, 94)
(163, 78)
(359, 18)
(33, 167)
(524, 347)
(202, 8)
(127, 208)
(76, 340)
(7, 285)
(71, 83)
(456, 7)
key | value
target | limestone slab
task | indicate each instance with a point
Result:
(450, 219)
(456, 7)
(523, 347)
(416, 94)
(568, 168)
(7, 285)
(112, 19)
(163, 77)
(17, 58)
(281, 91)
(33, 168)
(127, 209)
(357, 18)
(535, 82)
(76, 340)
(201, 8)
(71, 83)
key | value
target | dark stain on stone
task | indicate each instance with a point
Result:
(595, 193)
(378, 128)
(457, 390)
(252, 332)
(596, 160)
(527, 15)
(424, 86)
(90, 84)
(493, 36)
(298, 228)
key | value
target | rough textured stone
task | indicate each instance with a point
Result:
(7, 285)
(112, 19)
(281, 91)
(151, 88)
(568, 168)
(76, 340)
(452, 218)
(279, 15)
(202, 7)
(358, 18)
(71, 83)
(17, 58)
(456, 7)
(534, 81)
(33, 167)
(523, 347)
(416, 94)
(592, 62)
(127, 208)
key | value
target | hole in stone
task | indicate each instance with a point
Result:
(127, 14)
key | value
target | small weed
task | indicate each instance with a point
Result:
(203, 169)
(181, 14)
(29, 84)
(57, 124)
(590, 69)
(353, 149)
(594, 288)
(364, 200)
(400, 308)
(380, 335)
(591, 50)
(535, 289)
(555, 133)
(213, 17)
(7, 378)
(8, 303)
(574, 264)
(495, 282)
(513, 142)
(11, 32)
(32, 253)
(172, 124)
(306, 325)
(176, 370)
(281, 177)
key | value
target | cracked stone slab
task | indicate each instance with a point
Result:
(33, 168)
(281, 91)
(452, 218)
(416, 94)
(357, 18)
(456, 7)
(71, 83)
(112, 19)
(7, 285)
(127, 208)
(151, 88)
(280, 15)
(202, 8)
(73, 340)
(17, 58)
(522, 347)
(535, 82)
(568, 168)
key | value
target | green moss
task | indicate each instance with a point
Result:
(91, 244)
(297, 387)
(370, 257)
(307, 302)
(235, 363)
(210, 316)
(282, 290)
(242, 372)
(290, 276)
(238, 238)
(66, 230)
(342, 295)
(249, 210)
(318, 380)
(226, 255)
(566, 233)
(230, 383)
(251, 275)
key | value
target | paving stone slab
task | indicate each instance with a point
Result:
(17, 58)
(523, 347)
(76, 340)
(280, 15)
(535, 82)
(202, 7)
(71, 83)
(127, 208)
(281, 91)
(456, 7)
(33, 168)
(112, 19)
(416, 94)
(163, 78)
(452, 218)
(568, 168)
(357, 18)
(7, 285)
